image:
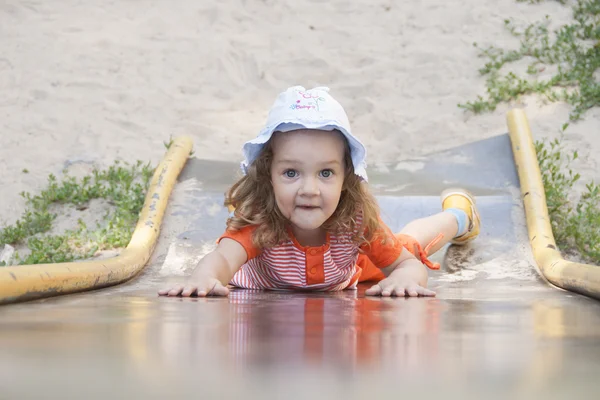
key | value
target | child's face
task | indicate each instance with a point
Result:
(307, 173)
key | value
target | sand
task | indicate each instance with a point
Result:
(95, 81)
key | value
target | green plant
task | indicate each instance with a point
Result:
(574, 49)
(576, 228)
(169, 143)
(539, 1)
(558, 180)
(122, 185)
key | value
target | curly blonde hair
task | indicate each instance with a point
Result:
(253, 201)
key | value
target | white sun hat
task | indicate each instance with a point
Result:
(298, 108)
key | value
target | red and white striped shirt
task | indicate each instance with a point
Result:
(289, 265)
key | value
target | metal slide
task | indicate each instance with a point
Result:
(496, 329)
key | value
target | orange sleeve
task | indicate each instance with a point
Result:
(383, 254)
(243, 237)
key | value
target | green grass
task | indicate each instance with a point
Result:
(575, 223)
(573, 52)
(122, 185)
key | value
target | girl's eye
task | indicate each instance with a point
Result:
(326, 173)
(290, 173)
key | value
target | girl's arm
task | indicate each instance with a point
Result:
(406, 276)
(213, 272)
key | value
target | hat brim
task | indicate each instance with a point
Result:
(252, 148)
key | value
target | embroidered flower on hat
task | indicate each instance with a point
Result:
(309, 101)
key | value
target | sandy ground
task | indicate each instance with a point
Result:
(100, 80)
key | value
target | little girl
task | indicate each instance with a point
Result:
(303, 218)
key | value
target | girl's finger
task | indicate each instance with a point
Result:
(423, 291)
(399, 291)
(188, 291)
(219, 290)
(209, 289)
(413, 291)
(374, 290)
(175, 291)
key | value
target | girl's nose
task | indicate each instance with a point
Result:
(309, 187)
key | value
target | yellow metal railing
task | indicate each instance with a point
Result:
(576, 277)
(28, 282)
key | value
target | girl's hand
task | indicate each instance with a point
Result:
(198, 286)
(217, 266)
(395, 287)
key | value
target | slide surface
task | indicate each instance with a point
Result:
(496, 328)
